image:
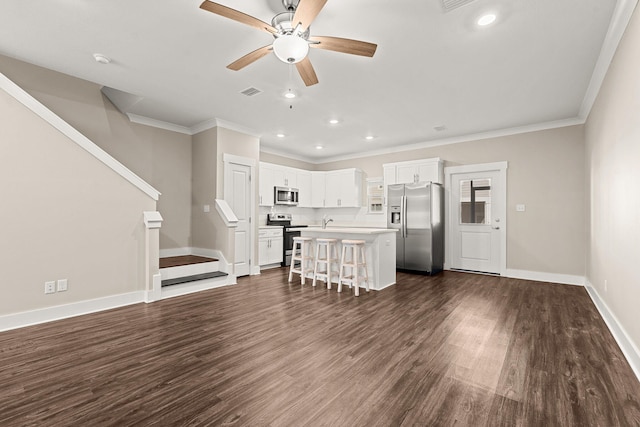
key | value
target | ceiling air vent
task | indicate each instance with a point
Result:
(251, 91)
(449, 5)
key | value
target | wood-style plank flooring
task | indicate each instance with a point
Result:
(177, 261)
(454, 349)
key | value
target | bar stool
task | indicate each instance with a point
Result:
(329, 258)
(353, 258)
(305, 255)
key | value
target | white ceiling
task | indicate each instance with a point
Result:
(533, 68)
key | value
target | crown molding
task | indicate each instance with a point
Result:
(195, 129)
(148, 121)
(619, 22)
(446, 141)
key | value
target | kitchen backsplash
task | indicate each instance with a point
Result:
(347, 217)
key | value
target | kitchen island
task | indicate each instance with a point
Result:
(380, 246)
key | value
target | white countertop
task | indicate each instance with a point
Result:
(346, 230)
(267, 227)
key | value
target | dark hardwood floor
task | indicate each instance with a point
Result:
(454, 349)
(177, 261)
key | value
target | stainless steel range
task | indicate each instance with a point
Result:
(284, 219)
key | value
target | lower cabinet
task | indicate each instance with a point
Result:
(270, 246)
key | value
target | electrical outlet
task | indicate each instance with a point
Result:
(49, 287)
(207, 208)
(62, 285)
(520, 208)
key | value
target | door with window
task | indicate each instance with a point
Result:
(477, 227)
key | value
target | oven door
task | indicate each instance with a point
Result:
(288, 246)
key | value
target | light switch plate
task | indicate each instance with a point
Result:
(62, 285)
(207, 208)
(520, 208)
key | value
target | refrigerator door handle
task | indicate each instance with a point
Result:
(403, 215)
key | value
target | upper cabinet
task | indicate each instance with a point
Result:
(340, 188)
(285, 177)
(267, 179)
(413, 171)
(303, 183)
(318, 183)
(343, 188)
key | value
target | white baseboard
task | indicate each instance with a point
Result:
(209, 253)
(566, 279)
(49, 314)
(165, 253)
(627, 346)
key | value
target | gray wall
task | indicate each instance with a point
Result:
(546, 173)
(160, 157)
(65, 215)
(612, 158)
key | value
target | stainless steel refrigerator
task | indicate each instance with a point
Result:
(417, 211)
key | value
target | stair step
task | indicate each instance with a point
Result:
(176, 261)
(193, 278)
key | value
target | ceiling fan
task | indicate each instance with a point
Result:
(292, 36)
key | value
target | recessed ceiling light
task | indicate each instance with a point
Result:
(319, 147)
(369, 137)
(334, 121)
(101, 58)
(486, 19)
(289, 94)
(280, 135)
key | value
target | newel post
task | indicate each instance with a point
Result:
(153, 282)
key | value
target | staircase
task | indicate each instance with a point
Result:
(190, 273)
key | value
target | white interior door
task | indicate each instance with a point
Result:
(477, 226)
(238, 196)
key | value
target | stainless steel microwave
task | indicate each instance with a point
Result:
(285, 196)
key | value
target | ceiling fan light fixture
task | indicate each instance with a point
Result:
(290, 48)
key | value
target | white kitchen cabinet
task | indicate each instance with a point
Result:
(265, 189)
(418, 171)
(272, 175)
(413, 171)
(303, 181)
(270, 242)
(285, 177)
(318, 180)
(343, 188)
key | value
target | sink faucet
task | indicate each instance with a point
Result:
(325, 221)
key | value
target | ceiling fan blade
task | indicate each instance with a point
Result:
(306, 12)
(227, 12)
(249, 58)
(354, 47)
(307, 72)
